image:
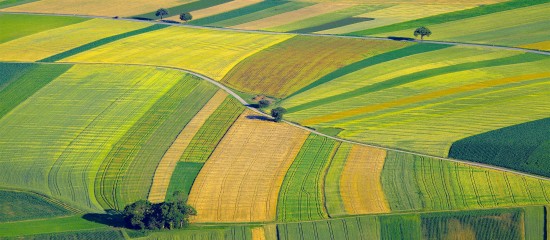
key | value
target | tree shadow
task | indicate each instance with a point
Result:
(113, 219)
(258, 117)
(170, 21)
(400, 38)
(142, 18)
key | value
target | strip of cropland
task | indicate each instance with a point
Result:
(18, 25)
(301, 197)
(190, 6)
(426, 101)
(244, 188)
(217, 9)
(86, 107)
(183, 48)
(108, 8)
(18, 206)
(287, 67)
(501, 223)
(47, 43)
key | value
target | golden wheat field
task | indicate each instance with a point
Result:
(245, 186)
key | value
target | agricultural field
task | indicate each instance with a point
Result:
(50, 42)
(430, 96)
(382, 137)
(281, 75)
(244, 188)
(166, 46)
(93, 7)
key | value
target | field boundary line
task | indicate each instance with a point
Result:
(464, 44)
(245, 103)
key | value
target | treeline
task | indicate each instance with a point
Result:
(154, 216)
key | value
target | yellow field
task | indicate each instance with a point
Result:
(422, 97)
(44, 44)
(95, 7)
(225, 7)
(241, 180)
(398, 13)
(540, 45)
(167, 164)
(293, 16)
(209, 52)
(360, 185)
(258, 233)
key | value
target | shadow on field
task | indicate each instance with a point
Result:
(113, 220)
(401, 38)
(142, 18)
(170, 21)
(261, 118)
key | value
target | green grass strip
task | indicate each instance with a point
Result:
(452, 16)
(19, 25)
(524, 147)
(101, 42)
(399, 182)
(183, 178)
(335, 24)
(111, 234)
(11, 3)
(17, 206)
(48, 225)
(212, 131)
(371, 61)
(31, 80)
(13, 71)
(400, 227)
(521, 58)
(188, 7)
(535, 222)
(271, 11)
(248, 13)
(302, 195)
(334, 202)
(127, 172)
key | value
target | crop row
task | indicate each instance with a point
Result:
(126, 174)
(301, 196)
(522, 147)
(50, 42)
(290, 65)
(17, 206)
(18, 25)
(165, 48)
(245, 186)
(480, 224)
(433, 184)
(170, 158)
(204, 142)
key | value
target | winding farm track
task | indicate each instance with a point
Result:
(487, 46)
(245, 103)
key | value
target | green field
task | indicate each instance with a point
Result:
(522, 147)
(125, 175)
(210, 134)
(51, 226)
(249, 13)
(334, 202)
(301, 196)
(16, 25)
(17, 206)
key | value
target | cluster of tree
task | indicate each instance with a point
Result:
(166, 215)
(185, 16)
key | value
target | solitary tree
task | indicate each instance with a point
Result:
(161, 13)
(422, 31)
(277, 113)
(264, 103)
(186, 16)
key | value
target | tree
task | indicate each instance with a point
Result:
(186, 16)
(264, 103)
(277, 113)
(145, 215)
(135, 215)
(161, 13)
(422, 31)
